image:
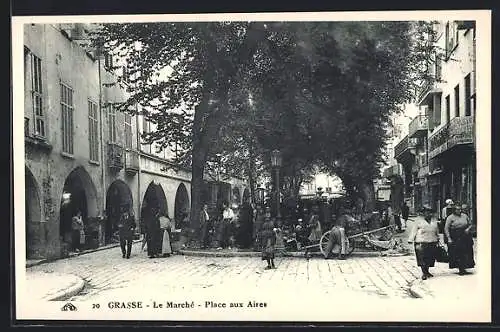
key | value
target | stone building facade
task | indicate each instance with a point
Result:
(438, 156)
(81, 154)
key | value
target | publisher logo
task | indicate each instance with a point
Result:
(69, 307)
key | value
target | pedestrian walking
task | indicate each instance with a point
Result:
(425, 238)
(267, 237)
(259, 221)
(246, 225)
(126, 228)
(205, 224)
(166, 226)
(446, 211)
(226, 227)
(458, 232)
(142, 228)
(77, 231)
(153, 237)
(314, 225)
(280, 242)
(405, 213)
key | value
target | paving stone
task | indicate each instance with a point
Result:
(106, 271)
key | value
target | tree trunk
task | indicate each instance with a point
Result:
(251, 172)
(197, 184)
(368, 194)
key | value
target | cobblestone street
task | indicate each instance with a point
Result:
(299, 289)
(105, 272)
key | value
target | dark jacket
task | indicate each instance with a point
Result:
(126, 226)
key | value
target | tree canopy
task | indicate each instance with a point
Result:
(321, 92)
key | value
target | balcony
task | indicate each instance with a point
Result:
(405, 149)
(459, 132)
(418, 127)
(426, 92)
(115, 156)
(131, 161)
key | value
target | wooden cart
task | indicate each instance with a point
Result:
(363, 239)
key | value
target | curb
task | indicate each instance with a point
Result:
(197, 253)
(68, 292)
(75, 254)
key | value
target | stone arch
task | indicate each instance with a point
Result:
(182, 205)
(154, 198)
(79, 194)
(33, 215)
(118, 197)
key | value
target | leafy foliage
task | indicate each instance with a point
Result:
(230, 92)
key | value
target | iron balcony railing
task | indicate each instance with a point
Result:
(404, 145)
(429, 87)
(459, 131)
(418, 126)
(131, 161)
(115, 156)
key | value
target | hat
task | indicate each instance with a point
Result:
(449, 201)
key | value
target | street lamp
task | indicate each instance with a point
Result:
(276, 163)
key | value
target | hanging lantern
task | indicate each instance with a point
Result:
(276, 158)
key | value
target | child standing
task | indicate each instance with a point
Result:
(268, 242)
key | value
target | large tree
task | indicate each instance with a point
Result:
(321, 92)
(182, 76)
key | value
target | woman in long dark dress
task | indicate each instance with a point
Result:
(246, 226)
(458, 232)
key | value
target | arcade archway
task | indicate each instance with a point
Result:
(118, 197)
(181, 205)
(79, 194)
(33, 214)
(154, 198)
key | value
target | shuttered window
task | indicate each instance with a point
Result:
(67, 109)
(93, 132)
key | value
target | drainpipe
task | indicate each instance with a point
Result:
(138, 142)
(101, 129)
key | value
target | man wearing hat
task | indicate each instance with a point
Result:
(126, 228)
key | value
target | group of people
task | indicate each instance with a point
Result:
(457, 232)
(226, 229)
(156, 229)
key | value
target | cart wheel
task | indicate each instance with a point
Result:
(323, 242)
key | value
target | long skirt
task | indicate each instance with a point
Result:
(268, 250)
(425, 253)
(165, 244)
(460, 251)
